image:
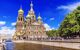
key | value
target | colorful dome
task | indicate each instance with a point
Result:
(21, 11)
(28, 16)
(39, 17)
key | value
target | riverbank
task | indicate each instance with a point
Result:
(52, 45)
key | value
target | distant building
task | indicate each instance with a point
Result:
(30, 27)
(5, 36)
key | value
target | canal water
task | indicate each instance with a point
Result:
(30, 46)
(9, 46)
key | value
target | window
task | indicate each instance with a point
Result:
(29, 32)
(21, 19)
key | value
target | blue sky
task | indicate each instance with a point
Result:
(52, 12)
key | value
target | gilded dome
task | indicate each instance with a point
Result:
(28, 16)
(21, 11)
(39, 17)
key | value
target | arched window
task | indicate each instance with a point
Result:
(21, 18)
(37, 32)
(29, 32)
(33, 17)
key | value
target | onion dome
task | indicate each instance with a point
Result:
(20, 10)
(28, 16)
(39, 17)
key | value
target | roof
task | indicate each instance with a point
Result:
(35, 23)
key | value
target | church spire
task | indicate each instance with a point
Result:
(31, 5)
(21, 7)
(20, 10)
(39, 19)
(20, 14)
(31, 11)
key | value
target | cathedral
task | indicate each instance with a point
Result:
(29, 27)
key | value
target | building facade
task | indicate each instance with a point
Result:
(30, 27)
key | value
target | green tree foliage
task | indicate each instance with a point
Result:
(70, 27)
(52, 33)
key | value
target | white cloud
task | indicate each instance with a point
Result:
(51, 18)
(13, 24)
(70, 7)
(47, 27)
(7, 30)
(2, 23)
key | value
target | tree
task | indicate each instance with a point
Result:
(70, 27)
(52, 33)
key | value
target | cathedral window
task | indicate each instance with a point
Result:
(25, 25)
(20, 15)
(29, 32)
(33, 17)
(37, 32)
(21, 19)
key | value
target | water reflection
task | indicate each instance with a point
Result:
(9, 46)
(31, 46)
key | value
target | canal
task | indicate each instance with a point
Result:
(9, 46)
(31, 46)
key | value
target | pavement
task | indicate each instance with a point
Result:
(57, 44)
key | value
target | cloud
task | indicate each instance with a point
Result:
(7, 30)
(69, 7)
(2, 23)
(51, 18)
(47, 27)
(13, 24)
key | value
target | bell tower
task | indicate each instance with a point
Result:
(31, 13)
(20, 15)
(20, 22)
